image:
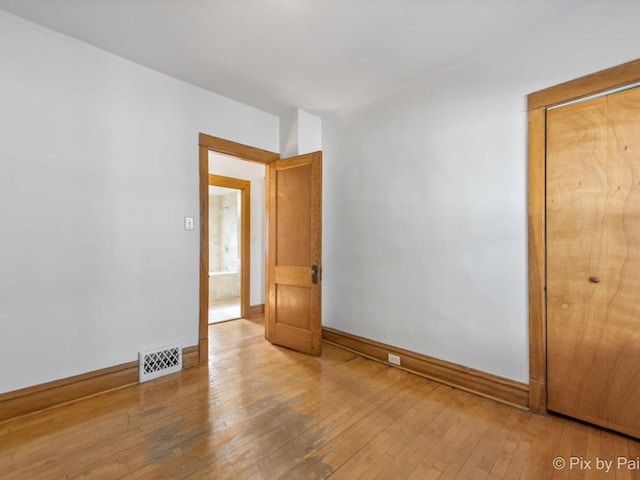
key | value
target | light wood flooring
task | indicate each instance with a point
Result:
(223, 310)
(265, 412)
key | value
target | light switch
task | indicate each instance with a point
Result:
(188, 223)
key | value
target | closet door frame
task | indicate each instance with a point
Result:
(537, 105)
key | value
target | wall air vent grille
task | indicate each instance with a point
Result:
(160, 361)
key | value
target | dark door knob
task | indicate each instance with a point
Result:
(594, 279)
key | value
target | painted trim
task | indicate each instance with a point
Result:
(58, 392)
(245, 233)
(256, 310)
(538, 103)
(468, 379)
(244, 152)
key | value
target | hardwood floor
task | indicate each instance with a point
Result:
(265, 412)
(224, 310)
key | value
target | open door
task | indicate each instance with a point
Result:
(294, 268)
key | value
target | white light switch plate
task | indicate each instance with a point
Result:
(188, 223)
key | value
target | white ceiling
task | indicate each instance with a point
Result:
(319, 55)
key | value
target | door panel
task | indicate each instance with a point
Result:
(293, 310)
(576, 193)
(623, 329)
(293, 306)
(593, 221)
(293, 206)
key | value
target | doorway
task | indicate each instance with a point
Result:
(213, 153)
(293, 200)
(229, 232)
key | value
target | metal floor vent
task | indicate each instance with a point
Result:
(159, 361)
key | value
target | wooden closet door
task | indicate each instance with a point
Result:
(593, 261)
(623, 263)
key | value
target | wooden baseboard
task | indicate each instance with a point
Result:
(256, 310)
(190, 357)
(537, 397)
(46, 395)
(475, 381)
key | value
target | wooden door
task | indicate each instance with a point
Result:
(293, 317)
(593, 261)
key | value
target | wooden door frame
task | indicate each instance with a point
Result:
(208, 143)
(537, 105)
(245, 231)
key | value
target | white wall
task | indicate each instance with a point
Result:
(98, 167)
(254, 172)
(309, 132)
(289, 133)
(300, 133)
(425, 196)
